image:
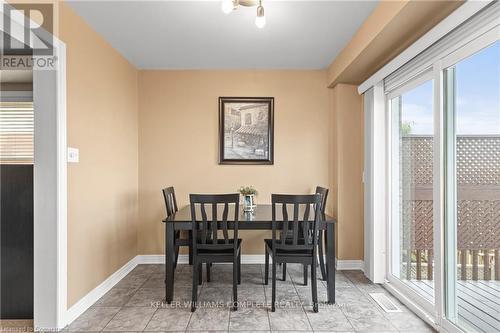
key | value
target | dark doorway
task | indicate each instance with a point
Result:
(16, 202)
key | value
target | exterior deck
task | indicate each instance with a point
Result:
(477, 225)
(478, 302)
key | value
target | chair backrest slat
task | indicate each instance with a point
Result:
(209, 228)
(204, 226)
(170, 201)
(284, 230)
(324, 196)
(295, 224)
(224, 222)
(304, 226)
(214, 222)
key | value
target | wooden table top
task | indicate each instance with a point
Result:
(261, 218)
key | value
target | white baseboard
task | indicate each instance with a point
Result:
(245, 259)
(158, 259)
(350, 265)
(88, 300)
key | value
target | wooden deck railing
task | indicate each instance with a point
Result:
(478, 211)
(471, 265)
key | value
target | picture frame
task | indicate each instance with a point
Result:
(246, 130)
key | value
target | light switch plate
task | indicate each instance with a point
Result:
(73, 155)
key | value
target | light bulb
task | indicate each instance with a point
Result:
(260, 20)
(227, 6)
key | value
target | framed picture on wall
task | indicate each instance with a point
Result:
(246, 130)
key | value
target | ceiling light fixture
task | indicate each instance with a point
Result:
(260, 20)
(229, 5)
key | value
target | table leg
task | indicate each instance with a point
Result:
(330, 262)
(169, 262)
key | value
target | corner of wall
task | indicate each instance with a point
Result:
(347, 150)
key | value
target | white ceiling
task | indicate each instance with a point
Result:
(198, 35)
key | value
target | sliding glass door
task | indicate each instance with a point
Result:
(472, 148)
(443, 110)
(412, 128)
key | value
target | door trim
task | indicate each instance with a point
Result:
(50, 187)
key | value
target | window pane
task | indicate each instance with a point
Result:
(416, 113)
(412, 218)
(478, 93)
(474, 209)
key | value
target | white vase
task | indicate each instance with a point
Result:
(248, 203)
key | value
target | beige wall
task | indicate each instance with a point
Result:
(140, 131)
(103, 187)
(347, 169)
(178, 140)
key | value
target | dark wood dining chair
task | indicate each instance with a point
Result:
(207, 247)
(321, 239)
(321, 242)
(285, 249)
(171, 207)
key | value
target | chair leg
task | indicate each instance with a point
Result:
(273, 291)
(194, 295)
(314, 286)
(305, 273)
(208, 272)
(176, 256)
(190, 237)
(284, 271)
(239, 268)
(321, 255)
(235, 284)
(266, 268)
(200, 273)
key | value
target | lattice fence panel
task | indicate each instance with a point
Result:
(478, 225)
(478, 160)
(478, 164)
(416, 156)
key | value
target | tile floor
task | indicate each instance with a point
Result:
(135, 305)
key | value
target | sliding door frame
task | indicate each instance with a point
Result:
(444, 189)
(467, 41)
(447, 150)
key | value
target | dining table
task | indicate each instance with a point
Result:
(259, 219)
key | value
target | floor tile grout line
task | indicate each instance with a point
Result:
(339, 307)
(102, 330)
(114, 287)
(357, 287)
(229, 317)
(152, 273)
(230, 309)
(150, 319)
(369, 298)
(262, 275)
(135, 292)
(300, 300)
(189, 321)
